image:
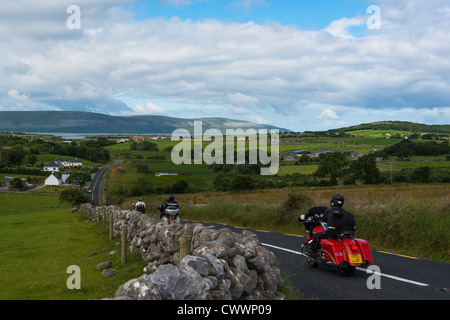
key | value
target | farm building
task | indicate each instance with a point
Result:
(70, 162)
(62, 163)
(53, 166)
(53, 180)
(301, 152)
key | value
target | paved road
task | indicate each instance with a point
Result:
(402, 278)
(94, 187)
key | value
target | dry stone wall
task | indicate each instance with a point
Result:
(220, 264)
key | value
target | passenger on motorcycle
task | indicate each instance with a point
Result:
(340, 223)
(140, 206)
(170, 202)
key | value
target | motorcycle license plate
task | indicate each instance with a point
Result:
(355, 258)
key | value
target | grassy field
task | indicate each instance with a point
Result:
(125, 177)
(302, 169)
(41, 238)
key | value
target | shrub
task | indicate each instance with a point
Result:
(73, 196)
(290, 208)
(241, 183)
(181, 186)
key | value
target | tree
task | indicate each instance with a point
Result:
(73, 196)
(222, 182)
(181, 186)
(333, 165)
(17, 183)
(32, 159)
(79, 178)
(15, 155)
(420, 175)
(365, 169)
(242, 182)
(304, 159)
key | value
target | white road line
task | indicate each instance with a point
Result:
(395, 278)
(284, 249)
(361, 269)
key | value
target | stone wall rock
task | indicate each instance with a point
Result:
(222, 265)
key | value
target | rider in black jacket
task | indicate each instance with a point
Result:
(340, 222)
(170, 202)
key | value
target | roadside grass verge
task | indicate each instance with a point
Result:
(41, 238)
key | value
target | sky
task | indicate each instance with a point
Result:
(300, 65)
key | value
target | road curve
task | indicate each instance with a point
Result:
(400, 278)
(94, 187)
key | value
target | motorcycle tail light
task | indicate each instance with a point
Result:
(354, 248)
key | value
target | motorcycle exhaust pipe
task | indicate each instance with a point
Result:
(330, 264)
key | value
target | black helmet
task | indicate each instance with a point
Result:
(171, 198)
(337, 200)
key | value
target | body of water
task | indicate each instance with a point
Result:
(81, 136)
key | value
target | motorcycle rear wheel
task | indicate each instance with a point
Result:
(312, 263)
(346, 271)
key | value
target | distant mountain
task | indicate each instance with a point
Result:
(397, 125)
(88, 122)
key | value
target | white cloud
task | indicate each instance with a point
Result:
(328, 113)
(14, 94)
(339, 28)
(237, 70)
(148, 108)
(436, 112)
(260, 120)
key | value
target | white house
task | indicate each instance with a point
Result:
(53, 166)
(70, 162)
(53, 180)
(62, 163)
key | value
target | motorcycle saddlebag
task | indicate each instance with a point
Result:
(333, 250)
(365, 250)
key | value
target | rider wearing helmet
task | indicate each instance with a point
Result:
(140, 206)
(340, 222)
(170, 202)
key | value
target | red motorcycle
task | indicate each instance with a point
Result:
(345, 253)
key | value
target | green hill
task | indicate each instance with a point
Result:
(87, 122)
(397, 126)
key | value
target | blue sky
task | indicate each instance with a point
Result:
(301, 65)
(310, 15)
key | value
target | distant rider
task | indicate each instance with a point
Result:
(140, 206)
(340, 222)
(170, 202)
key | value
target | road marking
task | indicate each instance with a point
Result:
(284, 249)
(361, 269)
(400, 255)
(395, 278)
